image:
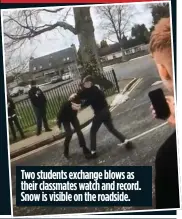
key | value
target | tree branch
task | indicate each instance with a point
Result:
(48, 27)
(53, 11)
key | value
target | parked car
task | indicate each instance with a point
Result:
(67, 76)
(55, 79)
(17, 91)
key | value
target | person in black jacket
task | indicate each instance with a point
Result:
(13, 119)
(95, 97)
(166, 163)
(39, 101)
(67, 116)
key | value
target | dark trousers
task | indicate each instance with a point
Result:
(41, 117)
(69, 133)
(14, 121)
(103, 117)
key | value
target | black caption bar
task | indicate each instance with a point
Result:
(84, 186)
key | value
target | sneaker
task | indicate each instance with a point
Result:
(66, 155)
(48, 130)
(91, 156)
(86, 150)
(23, 137)
(124, 143)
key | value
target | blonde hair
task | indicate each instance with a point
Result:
(161, 36)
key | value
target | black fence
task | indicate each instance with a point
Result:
(55, 97)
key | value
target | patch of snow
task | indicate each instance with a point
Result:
(120, 98)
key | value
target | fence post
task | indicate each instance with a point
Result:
(116, 81)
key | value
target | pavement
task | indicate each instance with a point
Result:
(132, 118)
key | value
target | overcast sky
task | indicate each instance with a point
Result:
(55, 41)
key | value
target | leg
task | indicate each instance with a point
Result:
(81, 138)
(76, 126)
(96, 123)
(68, 131)
(18, 126)
(44, 118)
(109, 125)
(39, 120)
(11, 125)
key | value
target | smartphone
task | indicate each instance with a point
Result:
(159, 104)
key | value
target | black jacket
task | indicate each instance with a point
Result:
(66, 113)
(37, 97)
(11, 108)
(166, 182)
(95, 97)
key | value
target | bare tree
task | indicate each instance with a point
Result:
(116, 21)
(23, 26)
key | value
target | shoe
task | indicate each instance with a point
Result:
(48, 130)
(91, 156)
(23, 137)
(87, 153)
(124, 143)
(66, 155)
(15, 139)
(86, 150)
(38, 133)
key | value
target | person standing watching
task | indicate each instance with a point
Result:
(13, 119)
(39, 103)
(166, 165)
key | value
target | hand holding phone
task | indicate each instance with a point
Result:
(159, 104)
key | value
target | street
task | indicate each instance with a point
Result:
(133, 118)
(139, 67)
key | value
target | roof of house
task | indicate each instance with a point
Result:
(52, 60)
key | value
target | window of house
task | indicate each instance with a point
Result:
(50, 64)
(34, 68)
(68, 58)
(64, 59)
(40, 67)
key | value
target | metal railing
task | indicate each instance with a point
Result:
(55, 98)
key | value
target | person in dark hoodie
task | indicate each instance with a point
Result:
(13, 119)
(39, 101)
(67, 116)
(95, 97)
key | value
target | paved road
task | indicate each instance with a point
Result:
(139, 67)
(132, 118)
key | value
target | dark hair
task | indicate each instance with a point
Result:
(33, 82)
(76, 99)
(87, 79)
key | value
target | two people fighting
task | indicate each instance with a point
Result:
(88, 95)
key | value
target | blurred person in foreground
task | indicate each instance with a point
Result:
(67, 116)
(39, 104)
(166, 165)
(13, 119)
(95, 97)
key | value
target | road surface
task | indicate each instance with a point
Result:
(132, 118)
(139, 67)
